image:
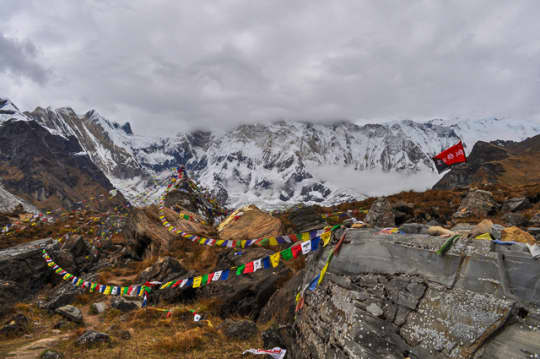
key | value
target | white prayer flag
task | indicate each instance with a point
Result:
(276, 353)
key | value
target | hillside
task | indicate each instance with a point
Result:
(504, 163)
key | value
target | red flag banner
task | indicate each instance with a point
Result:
(449, 157)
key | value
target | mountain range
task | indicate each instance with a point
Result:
(272, 165)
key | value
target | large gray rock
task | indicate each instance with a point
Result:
(70, 312)
(535, 220)
(63, 295)
(514, 219)
(516, 204)
(380, 214)
(125, 305)
(477, 203)
(23, 272)
(432, 307)
(92, 338)
(98, 308)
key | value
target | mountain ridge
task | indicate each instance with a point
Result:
(277, 164)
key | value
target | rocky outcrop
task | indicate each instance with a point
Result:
(92, 338)
(23, 273)
(477, 203)
(380, 214)
(392, 296)
(247, 223)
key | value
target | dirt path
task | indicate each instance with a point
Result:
(35, 348)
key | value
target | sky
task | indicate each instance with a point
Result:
(169, 66)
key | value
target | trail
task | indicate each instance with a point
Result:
(35, 348)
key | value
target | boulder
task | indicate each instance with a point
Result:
(15, 326)
(249, 222)
(125, 305)
(403, 212)
(98, 308)
(91, 338)
(163, 270)
(477, 203)
(23, 272)
(306, 219)
(70, 312)
(515, 234)
(51, 354)
(535, 220)
(514, 219)
(516, 204)
(239, 329)
(380, 214)
(63, 295)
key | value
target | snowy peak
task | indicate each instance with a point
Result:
(8, 111)
(276, 164)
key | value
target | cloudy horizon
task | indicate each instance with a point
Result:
(168, 66)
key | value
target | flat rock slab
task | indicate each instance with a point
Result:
(454, 322)
(367, 255)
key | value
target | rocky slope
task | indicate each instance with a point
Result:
(505, 163)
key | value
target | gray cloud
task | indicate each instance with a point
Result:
(19, 58)
(171, 65)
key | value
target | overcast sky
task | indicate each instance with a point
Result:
(166, 66)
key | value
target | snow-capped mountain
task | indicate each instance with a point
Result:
(276, 164)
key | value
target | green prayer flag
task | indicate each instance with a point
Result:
(240, 269)
(286, 254)
(204, 279)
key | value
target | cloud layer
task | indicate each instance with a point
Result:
(171, 65)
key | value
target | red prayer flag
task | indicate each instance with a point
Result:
(449, 157)
(296, 250)
(249, 268)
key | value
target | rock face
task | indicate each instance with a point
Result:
(393, 297)
(22, 273)
(477, 203)
(380, 214)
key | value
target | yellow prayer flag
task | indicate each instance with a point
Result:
(220, 242)
(274, 259)
(107, 290)
(273, 241)
(197, 282)
(304, 237)
(326, 238)
(323, 272)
